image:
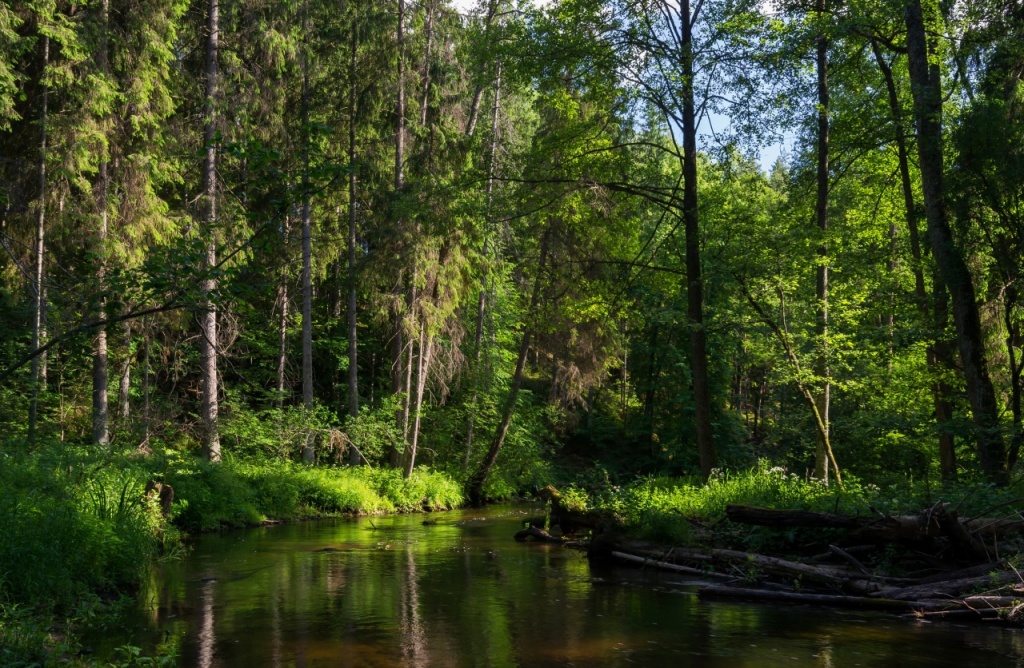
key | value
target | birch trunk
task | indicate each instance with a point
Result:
(208, 340)
(398, 348)
(38, 372)
(100, 406)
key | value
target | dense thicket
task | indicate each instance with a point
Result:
(496, 238)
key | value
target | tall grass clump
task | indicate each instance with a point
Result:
(72, 525)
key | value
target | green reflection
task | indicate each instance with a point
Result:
(462, 593)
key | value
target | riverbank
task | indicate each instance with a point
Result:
(939, 552)
(78, 530)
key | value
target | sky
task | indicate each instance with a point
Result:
(719, 122)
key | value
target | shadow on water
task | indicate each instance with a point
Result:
(461, 592)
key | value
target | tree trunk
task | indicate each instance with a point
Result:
(308, 454)
(410, 358)
(694, 281)
(940, 390)
(353, 349)
(474, 107)
(100, 408)
(145, 381)
(397, 368)
(1013, 341)
(425, 78)
(125, 382)
(38, 323)
(475, 484)
(398, 347)
(422, 372)
(821, 367)
(282, 335)
(926, 83)
(208, 340)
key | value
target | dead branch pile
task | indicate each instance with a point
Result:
(954, 568)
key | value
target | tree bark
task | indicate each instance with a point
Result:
(100, 407)
(926, 82)
(125, 381)
(282, 332)
(475, 484)
(208, 340)
(422, 372)
(399, 364)
(694, 280)
(38, 322)
(146, 414)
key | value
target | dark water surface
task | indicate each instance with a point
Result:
(463, 593)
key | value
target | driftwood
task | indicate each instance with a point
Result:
(960, 574)
(862, 602)
(666, 566)
(985, 590)
(950, 588)
(964, 613)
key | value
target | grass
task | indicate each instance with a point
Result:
(667, 509)
(241, 493)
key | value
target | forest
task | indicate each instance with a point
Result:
(295, 258)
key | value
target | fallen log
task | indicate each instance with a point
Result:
(666, 566)
(960, 613)
(861, 602)
(830, 575)
(971, 572)
(992, 601)
(948, 588)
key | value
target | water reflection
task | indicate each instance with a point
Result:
(206, 636)
(462, 593)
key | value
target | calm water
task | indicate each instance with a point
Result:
(463, 593)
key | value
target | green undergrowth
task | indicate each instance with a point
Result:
(240, 493)
(681, 511)
(78, 531)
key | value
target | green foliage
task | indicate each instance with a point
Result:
(71, 525)
(24, 638)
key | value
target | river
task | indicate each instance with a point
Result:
(391, 591)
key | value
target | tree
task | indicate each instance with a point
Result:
(925, 76)
(208, 314)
